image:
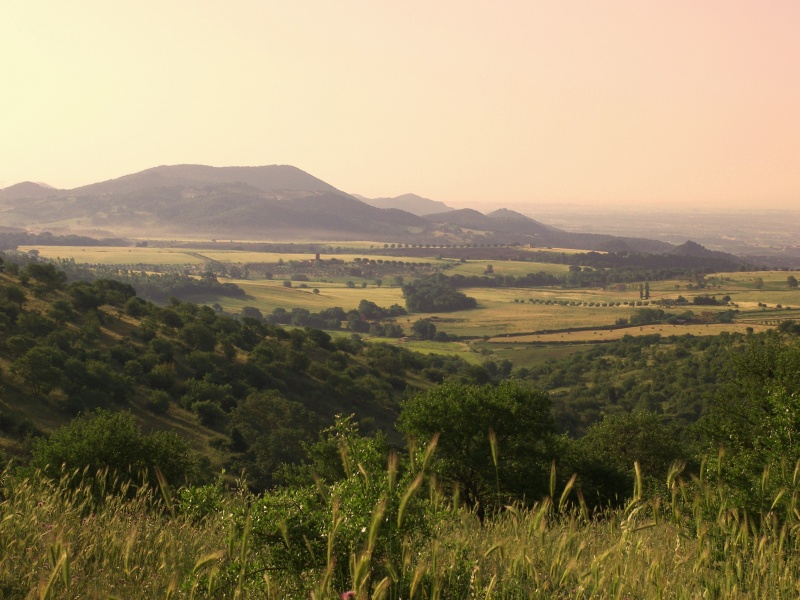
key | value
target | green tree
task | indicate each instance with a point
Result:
(113, 441)
(40, 367)
(424, 329)
(435, 294)
(47, 275)
(15, 294)
(755, 418)
(519, 417)
(271, 431)
(252, 312)
(791, 281)
(604, 458)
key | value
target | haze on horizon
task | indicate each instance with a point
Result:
(615, 103)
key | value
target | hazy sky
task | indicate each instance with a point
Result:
(645, 102)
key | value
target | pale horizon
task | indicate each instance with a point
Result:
(647, 104)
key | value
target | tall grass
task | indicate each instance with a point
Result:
(58, 541)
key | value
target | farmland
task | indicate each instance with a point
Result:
(538, 315)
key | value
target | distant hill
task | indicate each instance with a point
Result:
(690, 248)
(527, 230)
(26, 189)
(616, 245)
(277, 200)
(266, 178)
(510, 220)
(409, 202)
(467, 218)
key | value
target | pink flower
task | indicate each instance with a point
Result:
(348, 595)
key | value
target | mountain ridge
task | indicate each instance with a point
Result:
(409, 202)
(276, 201)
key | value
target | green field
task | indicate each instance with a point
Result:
(116, 255)
(460, 349)
(507, 267)
(267, 295)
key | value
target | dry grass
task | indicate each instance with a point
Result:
(114, 255)
(689, 543)
(606, 335)
(507, 267)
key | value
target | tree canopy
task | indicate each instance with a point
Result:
(435, 294)
(465, 416)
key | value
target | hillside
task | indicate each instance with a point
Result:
(408, 202)
(279, 201)
(509, 225)
(244, 393)
(26, 190)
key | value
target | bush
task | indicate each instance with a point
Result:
(113, 441)
(158, 402)
(209, 413)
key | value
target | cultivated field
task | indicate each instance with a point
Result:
(607, 335)
(501, 311)
(507, 267)
(461, 349)
(116, 255)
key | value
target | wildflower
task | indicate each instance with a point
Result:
(348, 595)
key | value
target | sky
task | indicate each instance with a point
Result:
(640, 102)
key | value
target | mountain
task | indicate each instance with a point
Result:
(510, 220)
(690, 248)
(520, 228)
(409, 202)
(266, 178)
(27, 189)
(502, 220)
(277, 200)
(466, 218)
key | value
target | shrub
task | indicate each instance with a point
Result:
(105, 440)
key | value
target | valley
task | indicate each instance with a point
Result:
(518, 371)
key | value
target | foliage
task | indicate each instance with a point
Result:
(467, 417)
(368, 511)
(435, 294)
(212, 542)
(604, 458)
(113, 443)
(755, 418)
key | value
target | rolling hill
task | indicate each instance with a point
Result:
(408, 202)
